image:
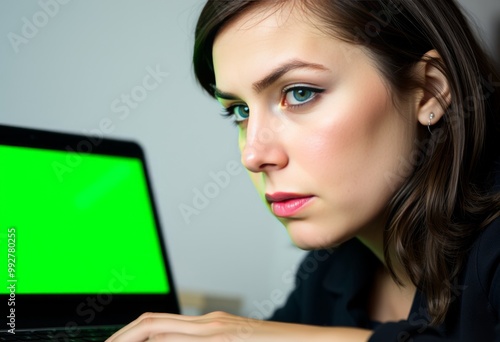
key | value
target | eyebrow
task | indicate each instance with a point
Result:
(272, 77)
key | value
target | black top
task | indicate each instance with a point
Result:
(332, 289)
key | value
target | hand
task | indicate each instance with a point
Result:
(220, 326)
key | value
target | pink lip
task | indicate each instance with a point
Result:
(287, 204)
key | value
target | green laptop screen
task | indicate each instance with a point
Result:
(79, 224)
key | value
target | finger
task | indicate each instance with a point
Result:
(117, 335)
(174, 337)
(151, 324)
(134, 323)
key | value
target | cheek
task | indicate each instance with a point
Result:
(356, 147)
(341, 143)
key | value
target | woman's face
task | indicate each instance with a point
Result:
(318, 131)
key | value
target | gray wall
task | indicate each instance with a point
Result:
(67, 67)
(486, 15)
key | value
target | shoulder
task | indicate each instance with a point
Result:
(485, 252)
(492, 231)
(486, 257)
(486, 249)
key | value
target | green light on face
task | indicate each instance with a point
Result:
(92, 231)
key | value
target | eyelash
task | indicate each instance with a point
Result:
(228, 112)
(315, 91)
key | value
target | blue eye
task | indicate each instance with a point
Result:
(240, 112)
(299, 95)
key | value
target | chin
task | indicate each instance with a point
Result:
(309, 237)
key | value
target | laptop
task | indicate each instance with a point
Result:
(81, 245)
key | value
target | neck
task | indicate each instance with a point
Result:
(373, 238)
(389, 300)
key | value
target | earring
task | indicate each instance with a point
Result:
(431, 116)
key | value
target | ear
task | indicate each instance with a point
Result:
(436, 90)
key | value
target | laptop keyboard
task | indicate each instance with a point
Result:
(85, 335)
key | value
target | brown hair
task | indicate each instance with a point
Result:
(446, 199)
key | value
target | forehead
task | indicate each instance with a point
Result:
(277, 12)
(266, 36)
(278, 15)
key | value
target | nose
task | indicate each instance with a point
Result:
(261, 146)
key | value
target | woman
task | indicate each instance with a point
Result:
(370, 127)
